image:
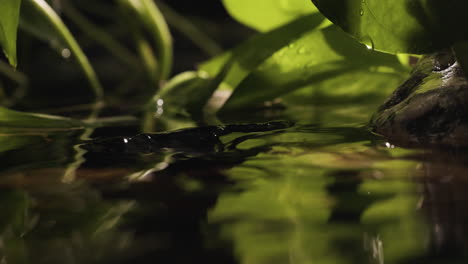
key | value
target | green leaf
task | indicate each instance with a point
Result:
(248, 55)
(153, 21)
(183, 90)
(9, 17)
(189, 92)
(42, 18)
(14, 119)
(328, 59)
(400, 26)
(265, 15)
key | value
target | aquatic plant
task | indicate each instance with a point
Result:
(302, 53)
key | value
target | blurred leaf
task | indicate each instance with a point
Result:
(265, 15)
(99, 34)
(248, 55)
(11, 142)
(182, 90)
(14, 224)
(189, 92)
(34, 23)
(154, 23)
(9, 17)
(15, 119)
(400, 26)
(15, 205)
(186, 27)
(39, 18)
(325, 58)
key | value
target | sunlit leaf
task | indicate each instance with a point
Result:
(326, 59)
(248, 55)
(407, 26)
(265, 15)
(9, 17)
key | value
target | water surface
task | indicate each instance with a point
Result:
(323, 190)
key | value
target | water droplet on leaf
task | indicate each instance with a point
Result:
(368, 42)
(361, 12)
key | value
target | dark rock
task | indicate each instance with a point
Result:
(430, 108)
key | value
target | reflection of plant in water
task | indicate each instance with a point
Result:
(293, 210)
(61, 224)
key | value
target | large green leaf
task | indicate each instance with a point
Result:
(400, 26)
(265, 15)
(9, 17)
(327, 59)
(250, 54)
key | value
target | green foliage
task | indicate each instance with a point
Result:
(151, 19)
(42, 11)
(247, 56)
(9, 17)
(15, 119)
(233, 66)
(186, 92)
(300, 56)
(400, 26)
(327, 63)
(265, 15)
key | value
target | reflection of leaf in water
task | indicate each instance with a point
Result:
(62, 223)
(284, 211)
(10, 142)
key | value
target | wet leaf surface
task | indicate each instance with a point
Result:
(400, 26)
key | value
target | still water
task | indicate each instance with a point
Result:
(320, 189)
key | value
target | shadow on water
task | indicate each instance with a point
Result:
(273, 192)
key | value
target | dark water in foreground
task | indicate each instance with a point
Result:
(324, 190)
